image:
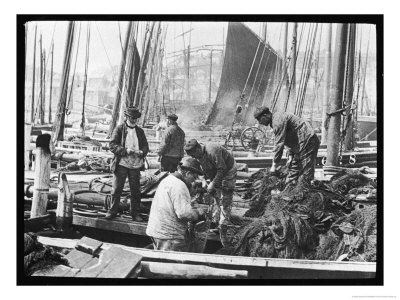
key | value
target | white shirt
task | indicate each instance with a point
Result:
(170, 210)
(131, 161)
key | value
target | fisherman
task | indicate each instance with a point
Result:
(171, 146)
(160, 128)
(219, 166)
(130, 147)
(298, 136)
(171, 208)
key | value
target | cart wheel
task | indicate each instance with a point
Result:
(253, 138)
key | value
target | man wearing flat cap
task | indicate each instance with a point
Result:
(219, 167)
(171, 209)
(298, 136)
(171, 145)
(130, 147)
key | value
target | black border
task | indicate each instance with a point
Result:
(367, 19)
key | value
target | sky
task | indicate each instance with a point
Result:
(105, 43)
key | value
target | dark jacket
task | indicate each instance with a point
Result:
(173, 142)
(290, 131)
(117, 144)
(215, 162)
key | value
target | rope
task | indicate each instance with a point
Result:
(251, 69)
(255, 78)
(307, 75)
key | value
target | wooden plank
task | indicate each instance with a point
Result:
(322, 265)
(187, 271)
(186, 257)
(124, 264)
(81, 260)
(113, 263)
(119, 225)
(88, 245)
(237, 261)
(57, 271)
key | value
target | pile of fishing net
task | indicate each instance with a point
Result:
(307, 220)
(39, 257)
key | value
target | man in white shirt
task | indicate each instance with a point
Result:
(171, 208)
(130, 147)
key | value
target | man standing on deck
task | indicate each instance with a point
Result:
(296, 134)
(171, 208)
(130, 147)
(171, 146)
(219, 166)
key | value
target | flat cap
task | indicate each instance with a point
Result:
(260, 111)
(133, 112)
(173, 117)
(191, 144)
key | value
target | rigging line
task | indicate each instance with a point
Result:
(310, 65)
(292, 75)
(130, 62)
(305, 59)
(317, 82)
(307, 66)
(358, 73)
(365, 70)
(255, 78)
(145, 86)
(105, 50)
(251, 69)
(67, 111)
(45, 67)
(304, 67)
(124, 88)
(262, 75)
(104, 47)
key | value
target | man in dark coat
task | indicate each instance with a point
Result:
(298, 136)
(130, 147)
(171, 146)
(219, 166)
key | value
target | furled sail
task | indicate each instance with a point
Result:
(247, 73)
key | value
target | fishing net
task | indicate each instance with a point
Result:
(307, 220)
(38, 257)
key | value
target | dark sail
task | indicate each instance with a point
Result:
(249, 65)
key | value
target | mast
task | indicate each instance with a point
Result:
(117, 103)
(209, 86)
(44, 88)
(264, 32)
(33, 79)
(146, 101)
(41, 112)
(82, 125)
(363, 100)
(142, 73)
(51, 80)
(292, 87)
(58, 125)
(349, 139)
(284, 63)
(336, 95)
(26, 46)
(327, 82)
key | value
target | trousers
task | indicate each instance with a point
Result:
(303, 163)
(224, 196)
(169, 164)
(119, 179)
